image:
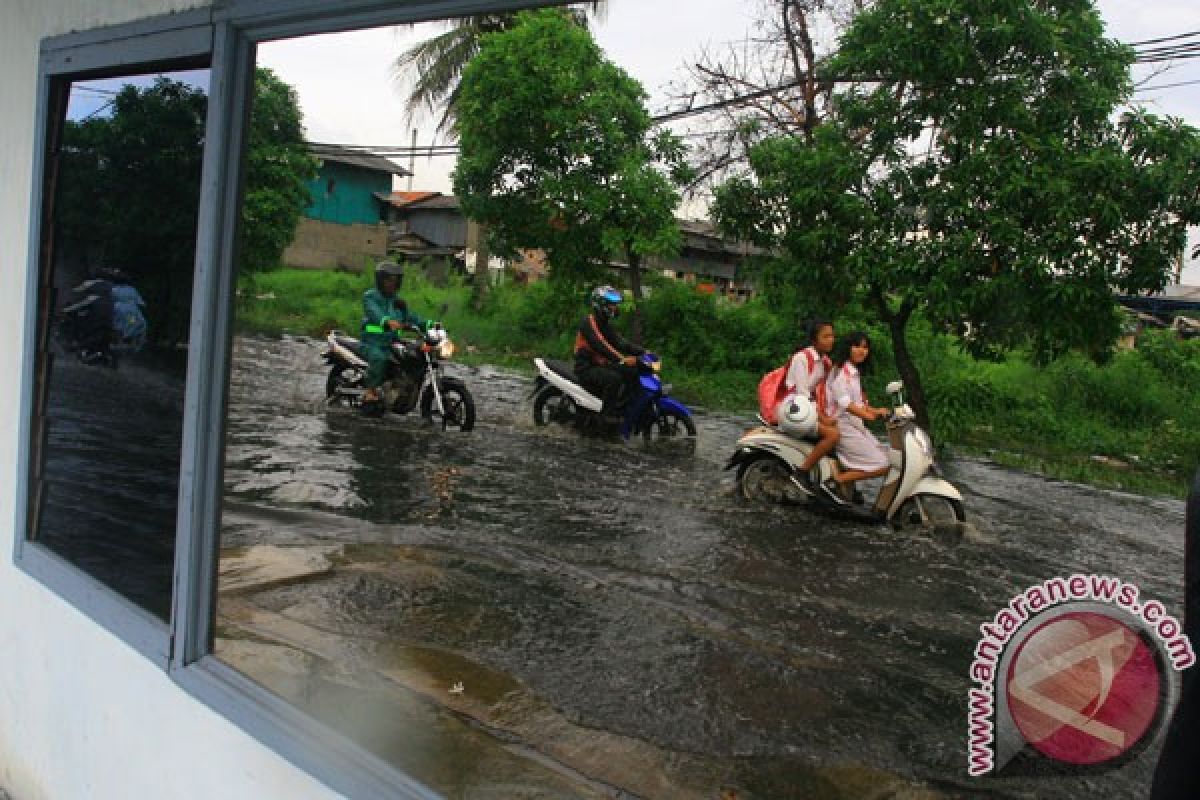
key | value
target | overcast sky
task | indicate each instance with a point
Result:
(348, 93)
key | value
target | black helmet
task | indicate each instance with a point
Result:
(606, 301)
(388, 269)
(111, 274)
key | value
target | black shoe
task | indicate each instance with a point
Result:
(804, 483)
(371, 408)
(829, 490)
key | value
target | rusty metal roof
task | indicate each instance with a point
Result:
(355, 157)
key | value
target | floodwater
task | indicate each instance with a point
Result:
(519, 612)
(111, 472)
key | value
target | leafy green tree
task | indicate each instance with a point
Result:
(434, 66)
(129, 193)
(278, 168)
(129, 189)
(982, 179)
(557, 153)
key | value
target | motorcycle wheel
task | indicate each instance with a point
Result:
(551, 405)
(342, 377)
(940, 512)
(456, 400)
(766, 479)
(669, 425)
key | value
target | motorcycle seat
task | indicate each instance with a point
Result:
(563, 369)
(350, 343)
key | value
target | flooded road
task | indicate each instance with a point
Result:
(519, 612)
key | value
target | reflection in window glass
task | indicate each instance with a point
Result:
(527, 609)
(115, 292)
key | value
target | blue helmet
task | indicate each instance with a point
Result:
(606, 301)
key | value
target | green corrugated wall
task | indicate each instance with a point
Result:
(352, 197)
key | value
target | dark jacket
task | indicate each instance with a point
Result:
(597, 344)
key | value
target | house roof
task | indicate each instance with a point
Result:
(703, 235)
(1172, 300)
(413, 244)
(437, 200)
(1181, 292)
(401, 199)
(421, 200)
(355, 157)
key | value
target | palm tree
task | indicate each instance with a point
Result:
(434, 66)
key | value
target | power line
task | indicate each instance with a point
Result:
(1176, 55)
(1164, 39)
(1167, 86)
(93, 89)
(1152, 55)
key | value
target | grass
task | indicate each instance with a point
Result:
(1132, 424)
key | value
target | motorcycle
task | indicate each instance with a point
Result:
(413, 379)
(86, 327)
(559, 398)
(913, 493)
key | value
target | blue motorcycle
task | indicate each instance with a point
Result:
(558, 398)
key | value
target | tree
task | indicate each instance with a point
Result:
(557, 152)
(772, 83)
(130, 188)
(129, 194)
(434, 66)
(980, 179)
(278, 167)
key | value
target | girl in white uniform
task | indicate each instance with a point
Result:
(860, 453)
(802, 411)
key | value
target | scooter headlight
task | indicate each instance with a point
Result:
(446, 349)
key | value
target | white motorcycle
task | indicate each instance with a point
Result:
(913, 492)
(413, 379)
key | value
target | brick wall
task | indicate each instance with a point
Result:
(329, 245)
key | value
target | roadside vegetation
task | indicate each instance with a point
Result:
(1130, 423)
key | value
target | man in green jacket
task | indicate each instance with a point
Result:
(383, 315)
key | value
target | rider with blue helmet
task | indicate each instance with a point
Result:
(604, 361)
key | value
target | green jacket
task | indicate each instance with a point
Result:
(377, 310)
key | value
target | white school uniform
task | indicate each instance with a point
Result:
(857, 447)
(805, 380)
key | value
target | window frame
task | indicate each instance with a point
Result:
(228, 34)
(154, 43)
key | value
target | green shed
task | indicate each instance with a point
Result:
(346, 184)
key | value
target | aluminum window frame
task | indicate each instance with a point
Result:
(228, 34)
(183, 38)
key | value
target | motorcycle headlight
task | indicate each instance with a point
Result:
(446, 349)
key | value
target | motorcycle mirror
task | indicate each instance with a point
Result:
(895, 387)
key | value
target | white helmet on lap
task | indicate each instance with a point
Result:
(798, 415)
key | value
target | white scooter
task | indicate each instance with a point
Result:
(913, 493)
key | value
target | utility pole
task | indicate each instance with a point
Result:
(412, 160)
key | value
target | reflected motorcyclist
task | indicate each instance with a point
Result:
(128, 321)
(384, 315)
(604, 361)
(92, 318)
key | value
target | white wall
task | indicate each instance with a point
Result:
(83, 717)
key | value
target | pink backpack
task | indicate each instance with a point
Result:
(771, 391)
(773, 388)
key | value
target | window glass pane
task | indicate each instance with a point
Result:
(115, 293)
(530, 605)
